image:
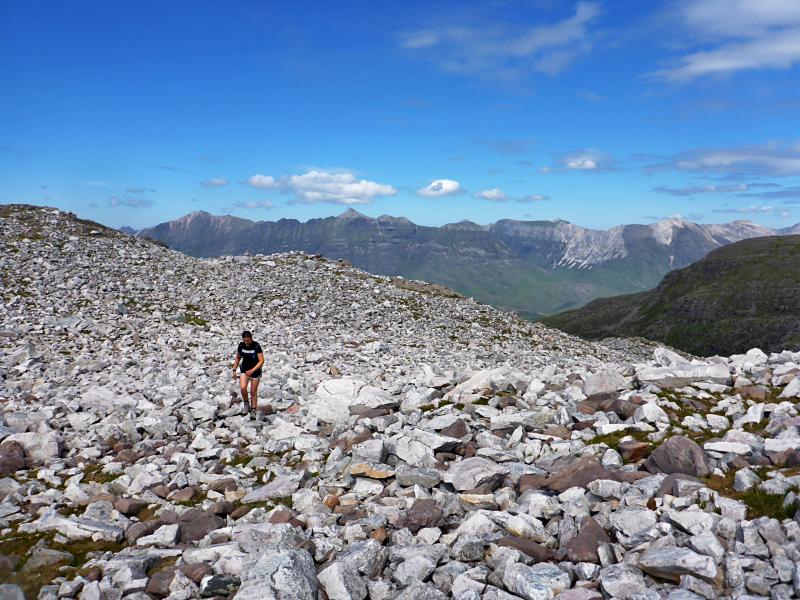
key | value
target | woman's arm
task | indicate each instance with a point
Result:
(260, 362)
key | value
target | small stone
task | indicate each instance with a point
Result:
(671, 563)
(539, 582)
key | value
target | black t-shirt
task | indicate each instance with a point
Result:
(249, 355)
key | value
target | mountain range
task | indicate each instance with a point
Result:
(534, 268)
(737, 297)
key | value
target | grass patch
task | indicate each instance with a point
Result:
(758, 502)
(761, 504)
(32, 581)
(95, 474)
(195, 320)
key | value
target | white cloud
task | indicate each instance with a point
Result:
(507, 50)
(336, 188)
(493, 195)
(440, 187)
(214, 183)
(736, 35)
(255, 205)
(589, 160)
(581, 164)
(318, 186)
(262, 182)
(754, 161)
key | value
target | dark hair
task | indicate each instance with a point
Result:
(246, 334)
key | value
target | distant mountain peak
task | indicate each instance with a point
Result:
(351, 213)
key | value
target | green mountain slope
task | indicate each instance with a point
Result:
(738, 297)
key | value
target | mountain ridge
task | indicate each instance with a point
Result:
(534, 268)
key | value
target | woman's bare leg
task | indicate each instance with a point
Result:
(254, 393)
(243, 388)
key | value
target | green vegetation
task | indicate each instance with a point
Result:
(758, 502)
(19, 544)
(195, 320)
(740, 296)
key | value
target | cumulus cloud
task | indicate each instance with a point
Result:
(262, 182)
(693, 190)
(214, 183)
(493, 195)
(255, 205)
(129, 202)
(439, 188)
(317, 186)
(506, 50)
(747, 161)
(735, 35)
(336, 188)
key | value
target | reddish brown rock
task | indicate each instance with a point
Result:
(240, 512)
(559, 431)
(129, 506)
(142, 529)
(184, 495)
(128, 456)
(536, 551)
(531, 482)
(197, 529)
(754, 392)
(467, 450)
(196, 571)
(12, 458)
(456, 429)
(678, 454)
(222, 507)
(159, 582)
(281, 515)
(631, 450)
(222, 485)
(160, 490)
(583, 547)
(578, 474)
(424, 513)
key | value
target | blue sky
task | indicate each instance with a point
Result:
(600, 113)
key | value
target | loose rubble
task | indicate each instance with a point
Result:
(411, 444)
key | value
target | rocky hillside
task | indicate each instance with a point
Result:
(531, 267)
(410, 445)
(746, 294)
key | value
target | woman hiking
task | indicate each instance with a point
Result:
(251, 356)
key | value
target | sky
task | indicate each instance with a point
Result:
(596, 112)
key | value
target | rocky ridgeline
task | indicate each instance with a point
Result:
(412, 445)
